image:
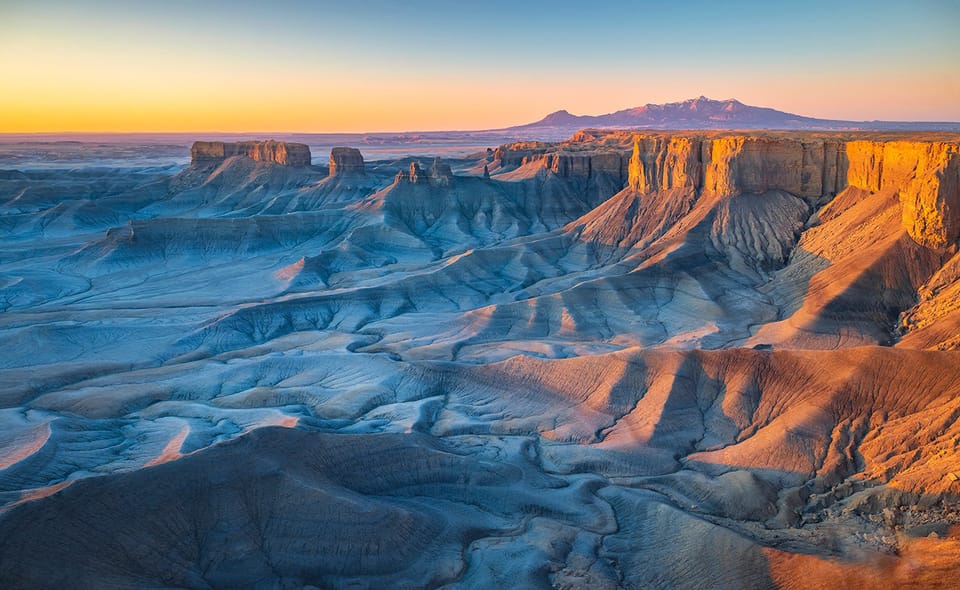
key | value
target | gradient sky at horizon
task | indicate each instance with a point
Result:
(376, 65)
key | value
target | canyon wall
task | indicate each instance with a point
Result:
(205, 153)
(923, 175)
(567, 164)
(733, 165)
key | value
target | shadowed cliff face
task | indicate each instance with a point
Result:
(623, 361)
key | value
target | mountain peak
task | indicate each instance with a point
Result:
(558, 118)
(705, 101)
(703, 112)
(695, 103)
(700, 112)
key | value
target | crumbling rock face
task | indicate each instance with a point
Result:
(439, 174)
(205, 153)
(924, 176)
(345, 160)
(636, 177)
(584, 165)
(414, 175)
(416, 172)
(440, 169)
(934, 322)
(931, 201)
(730, 165)
(665, 164)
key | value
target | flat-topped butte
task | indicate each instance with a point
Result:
(205, 153)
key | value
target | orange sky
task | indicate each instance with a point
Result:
(111, 68)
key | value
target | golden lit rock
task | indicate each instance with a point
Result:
(279, 152)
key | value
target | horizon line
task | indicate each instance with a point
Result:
(516, 128)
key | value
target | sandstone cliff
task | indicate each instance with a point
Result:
(346, 160)
(733, 165)
(923, 175)
(204, 153)
(564, 163)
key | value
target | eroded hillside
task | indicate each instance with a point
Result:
(700, 360)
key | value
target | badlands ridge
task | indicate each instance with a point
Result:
(625, 360)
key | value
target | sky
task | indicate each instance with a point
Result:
(377, 65)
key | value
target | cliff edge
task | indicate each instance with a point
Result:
(206, 153)
(923, 175)
(346, 160)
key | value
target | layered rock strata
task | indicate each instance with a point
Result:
(566, 164)
(205, 153)
(439, 173)
(346, 160)
(923, 175)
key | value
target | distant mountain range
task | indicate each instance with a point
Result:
(705, 113)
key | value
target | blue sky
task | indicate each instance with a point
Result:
(490, 62)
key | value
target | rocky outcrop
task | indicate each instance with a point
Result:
(934, 322)
(931, 202)
(566, 164)
(668, 163)
(414, 175)
(924, 176)
(636, 176)
(206, 153)
(346, 160)
(439, 174)
(729, 165)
